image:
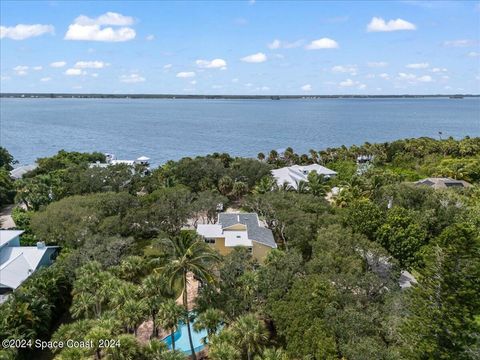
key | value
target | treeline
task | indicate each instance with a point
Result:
(331, 290)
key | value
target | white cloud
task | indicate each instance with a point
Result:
(150, 37)
(212, 64)
(377, 24)
(45, 79)
(351, 69)
(186, 74)
(377, 64)
(352, 83)
(306, 87)
(248, 85)
(275, 44)
(235, 80)
(91, 64)
(418, 66)
(132, 78)
(459, 43)
(5, 78)
(347, 83)
(255, 58)
(167, 66)
(437, 70)
(425, 78)
(94, 75)
(37, 68)
(405, 76)
(109, 18)
(474, 54)
(323, 43)
(412, 78)
(58, 64)
(193, 82)
(93, 29)
(75, 72)
(263, 88)
(20, 70)
(23, 31)
(384, 76)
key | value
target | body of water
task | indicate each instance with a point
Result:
(172, 129)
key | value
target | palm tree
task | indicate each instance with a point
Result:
(261, 156)
(131, 314)
(272, 354)
(266, 184)
(250, 334)
(223, 346)
(316, 184)
(188, 254)
(239, 189)
(225, 185)
(154, 291)
(209, 320)
(169, 315)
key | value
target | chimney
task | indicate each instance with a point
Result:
(41, 245)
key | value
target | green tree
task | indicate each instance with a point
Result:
(402, 236)
(187, 255)
(209, 320)
(225, 185)
(250, 333)
(443, 305)
(6, 159)
(169, 315)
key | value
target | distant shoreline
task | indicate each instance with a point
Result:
(226, 97)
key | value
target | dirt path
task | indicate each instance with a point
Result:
(6, 221)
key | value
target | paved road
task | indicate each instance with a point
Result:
(6, 221)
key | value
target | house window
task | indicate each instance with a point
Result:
(250, 250)
(210, 240)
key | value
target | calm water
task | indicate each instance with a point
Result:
(171, 129)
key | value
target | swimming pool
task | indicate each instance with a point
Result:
(181, 338)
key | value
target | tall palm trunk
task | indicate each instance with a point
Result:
(187, 318)
(154, 324)
(172, 336)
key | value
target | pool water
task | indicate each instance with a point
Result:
(181, 339)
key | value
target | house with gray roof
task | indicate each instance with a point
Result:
(443, 183)
(238, 229)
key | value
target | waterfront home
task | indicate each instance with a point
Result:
(443, 183)
(111, 159)
(19, 171)
(293, 175)
(238, 229)
(17, 262)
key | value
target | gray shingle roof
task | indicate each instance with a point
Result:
(255, 231)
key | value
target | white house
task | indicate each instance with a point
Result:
(292, 175)
(17, 262)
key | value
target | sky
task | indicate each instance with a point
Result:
(240, 47)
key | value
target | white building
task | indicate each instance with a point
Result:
(292, 175)
(17, 262)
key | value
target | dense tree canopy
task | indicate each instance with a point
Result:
(330, 291)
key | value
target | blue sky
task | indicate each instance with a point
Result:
(242, 47)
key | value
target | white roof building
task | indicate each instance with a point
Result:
(227, 228)
(292, 175)
(17, 262)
